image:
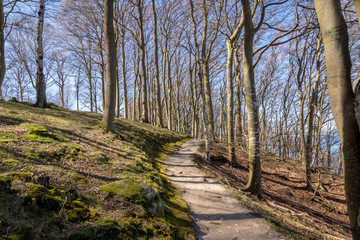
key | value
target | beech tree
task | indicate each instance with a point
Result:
(231, 44)
(159, 120)
(40, 78)
(110, 48)
(338, 66)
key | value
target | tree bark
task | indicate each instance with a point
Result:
(338, 65)
(169, 87)
(159, 120)
(123, 74)
(40, 78)
(201, 90)
(144, 100)
(110, 48)
(238, 126)
(2, 47)
(254, 182)
(206, 75)
(230, 103)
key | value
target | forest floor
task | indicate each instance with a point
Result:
(286, 203)
(63, 177)
(216, 212)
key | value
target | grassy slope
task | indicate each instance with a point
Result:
(102, 185)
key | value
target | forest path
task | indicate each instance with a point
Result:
(217, 214)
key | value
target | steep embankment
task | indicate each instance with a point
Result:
(63, 177)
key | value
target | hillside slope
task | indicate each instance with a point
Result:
(63, 177)
(287, 204)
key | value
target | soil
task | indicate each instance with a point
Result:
(286, 202)
(216, 212)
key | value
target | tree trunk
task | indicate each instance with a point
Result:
(338, 65)
(169, 87)
(40, 78)
(144, 99)
(123, 74)
(163, 77)
(110, 48)
(193, 104)
(230, 103)
(2, 47)
(206, 75)
(254, 182)
(238, 127)
(159, 120)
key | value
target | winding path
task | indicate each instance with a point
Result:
(217, 213)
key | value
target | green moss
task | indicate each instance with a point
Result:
(38, 138)
(112, 188)
(24, 176)
(103, 158)
(10, 160)
(129, 190)
(33, 128)
(77, 211)
(8, 141)
(15, 237)
(44, 198)
(52, 200)
(76, 148)
(79, 179)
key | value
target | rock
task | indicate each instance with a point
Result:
(135, 192)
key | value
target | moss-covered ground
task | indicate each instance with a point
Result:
(63, 177)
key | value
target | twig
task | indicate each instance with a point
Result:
(62, 208)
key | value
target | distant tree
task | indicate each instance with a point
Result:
(110, 48)
(232, 42)
(40, 77)
(2, 46)
(159, 120)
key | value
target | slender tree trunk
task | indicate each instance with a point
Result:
(95, 96)
(77, 89)
(123, 73)
(159, 120)
(117, 90)
(254, 182)
(40, 78)
(206, 75)
(144, 100)
(163, 77)
(238, 127)
(2, 47)
(230, 103)
(102, 74)
(170, 95)
(338, 65)
(110, 48)
(193, 105)
(134, 98)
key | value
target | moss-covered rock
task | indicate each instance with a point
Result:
(77, 211)
(135, 192)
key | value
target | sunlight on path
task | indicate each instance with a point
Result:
(216, 212)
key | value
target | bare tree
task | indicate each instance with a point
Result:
(110, 48)
(40, 78)
(338, 65)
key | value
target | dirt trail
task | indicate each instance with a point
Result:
(216, 212)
